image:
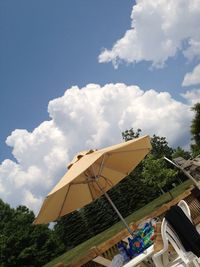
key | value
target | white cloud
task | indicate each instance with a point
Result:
(159, 29)
(32, 201)
(90, 117)
(193, 77)
(192, 96)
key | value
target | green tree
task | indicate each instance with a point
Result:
(156, 174)
(160, 146)
(128, 135)
(195, 130)
(134, 193)
(21, 242)
(72, 229)
(180, 152)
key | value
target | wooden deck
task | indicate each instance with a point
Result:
(107, 250)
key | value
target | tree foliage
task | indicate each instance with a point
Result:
(156, 174)
(160, 147)
(21, 242)
(195, 130)
(72, 229)
(154, 170)
(128, 135)
(180, 152)
(99, 215)
(133, 193)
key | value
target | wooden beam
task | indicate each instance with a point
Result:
(101, 260)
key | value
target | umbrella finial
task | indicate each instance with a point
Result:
(79, 156)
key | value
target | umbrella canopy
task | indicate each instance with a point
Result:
(90, 174)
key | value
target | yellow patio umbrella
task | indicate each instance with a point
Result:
(90, 175)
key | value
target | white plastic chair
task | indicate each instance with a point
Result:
(185, 208)
(184, 258)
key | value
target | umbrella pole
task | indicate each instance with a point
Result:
(115, 208)
(118, 213)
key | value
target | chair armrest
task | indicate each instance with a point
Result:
(159, 253)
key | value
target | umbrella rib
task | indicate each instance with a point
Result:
(74, 183)
(64, 200)
(107, 179)
(102, 162)
(81, 182)
(115, 171)
(93, 198)
(125, 151)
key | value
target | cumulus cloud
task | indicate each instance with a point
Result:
(159, 29)
(84, 118)
(192, 97)
(193, 77)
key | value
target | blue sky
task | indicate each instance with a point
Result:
(48, 46)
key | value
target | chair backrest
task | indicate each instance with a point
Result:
(185, 208)
(169, 235)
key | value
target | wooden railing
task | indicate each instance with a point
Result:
(108, 249)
